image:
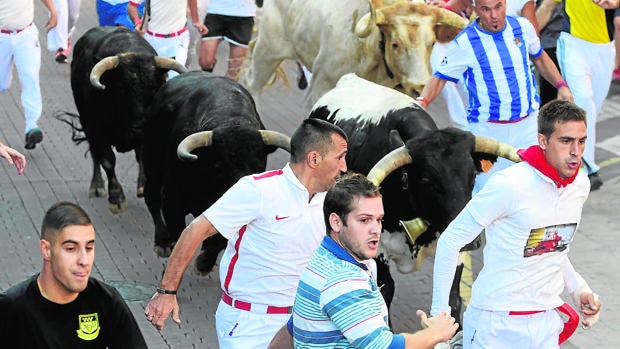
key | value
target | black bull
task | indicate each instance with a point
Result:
(217, 119)
(428, 174)
(114, 75)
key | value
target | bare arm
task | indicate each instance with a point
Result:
(132, 12)
(529, 11)
(607, 4)
(439, 328)
(161, 306)
(550, 72)
(53, 20)
(282, 340)
(430, 92)
(544, 12)
(193, 13)
(13, 157)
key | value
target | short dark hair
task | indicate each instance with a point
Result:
(558, 111)
(313, 134)
(340, 197)
(60, 215)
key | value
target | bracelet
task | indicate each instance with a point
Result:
(164, 291)
(423, 100)
(561, 83)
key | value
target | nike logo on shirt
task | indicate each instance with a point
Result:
(279, 218)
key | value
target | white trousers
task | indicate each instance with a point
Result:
(497, 329)
(587, 68)
(240, 329)
(68, 12)
(24, 51)
(175, 47)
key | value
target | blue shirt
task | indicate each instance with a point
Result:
(339, 305)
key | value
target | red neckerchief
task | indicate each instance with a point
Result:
(535, 157)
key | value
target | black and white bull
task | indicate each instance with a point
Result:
(424, 172)
(114, 76)
(216, 118)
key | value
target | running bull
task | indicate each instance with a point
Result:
(389, 45)
(114, 76)
(216, 118)
(424, 172)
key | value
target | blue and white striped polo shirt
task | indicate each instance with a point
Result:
(338, 305)
(495, 67)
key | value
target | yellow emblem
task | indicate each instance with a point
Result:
(518, 42)
(89, 326)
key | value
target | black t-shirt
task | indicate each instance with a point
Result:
(97, 318)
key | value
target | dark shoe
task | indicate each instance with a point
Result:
(33, 137)
(60, 56)
(595, 181)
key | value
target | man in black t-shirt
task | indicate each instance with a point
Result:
(63, 307)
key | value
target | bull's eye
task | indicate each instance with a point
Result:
(395, 46)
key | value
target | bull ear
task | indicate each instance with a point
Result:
(448, 25)
(484, 161)
(396, 141)
(444, 33)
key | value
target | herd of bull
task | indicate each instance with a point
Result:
(196, 134)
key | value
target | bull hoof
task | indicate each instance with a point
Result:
(96, 193)
(204, 264)
(118, 208)
(140, 192)
(199, 271)
(162, 251)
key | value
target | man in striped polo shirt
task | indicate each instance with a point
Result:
(338, 304)
(493, 54)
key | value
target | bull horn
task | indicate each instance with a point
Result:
(388, 164)
(495, 147)
(101, 67)
(169, 63)
(364, 26)
(451, 19)
(193, 141)
(276, 139)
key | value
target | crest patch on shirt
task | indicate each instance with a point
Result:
(444, 61)
(549, 239)
(89, 326)
(518, 42)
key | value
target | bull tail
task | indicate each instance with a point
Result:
(73, 120)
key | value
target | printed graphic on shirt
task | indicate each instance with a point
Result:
(89, 326)
(549, 239)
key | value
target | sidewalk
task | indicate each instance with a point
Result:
(59, 170)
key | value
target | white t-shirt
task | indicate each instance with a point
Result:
(237, 8)
(16, 14)
(272, 232)
(167, 16)
(529, 224)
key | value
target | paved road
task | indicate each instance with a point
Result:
(59, 170)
